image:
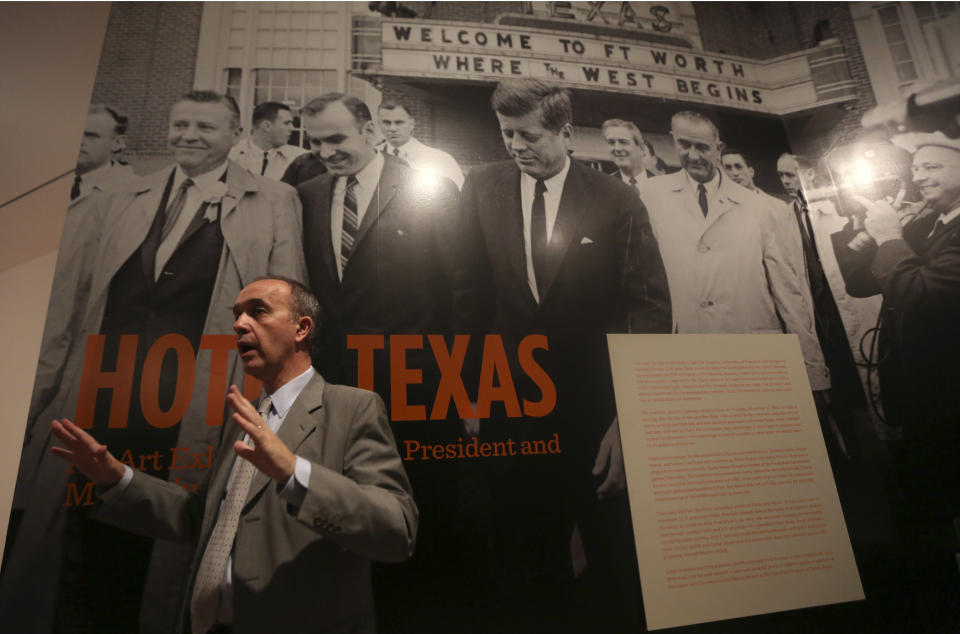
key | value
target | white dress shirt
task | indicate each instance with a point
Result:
(945, 218)
(204, 188)
(551, 205)
(367, 180)
(712, 186)
(428, 159)
(639, 179)
(250, 156)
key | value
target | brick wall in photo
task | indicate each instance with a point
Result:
(148, 59)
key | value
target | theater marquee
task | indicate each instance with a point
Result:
(468, 52)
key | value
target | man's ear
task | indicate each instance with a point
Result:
(119, 144)
(369, 132)
(304, 328)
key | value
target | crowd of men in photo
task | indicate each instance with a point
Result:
(373, 232)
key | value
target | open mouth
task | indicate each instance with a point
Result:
(245, 348)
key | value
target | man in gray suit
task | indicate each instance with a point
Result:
(292, 554)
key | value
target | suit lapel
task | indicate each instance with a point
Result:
(227, 202)
(573, 206)
(507, 214)
(725, 201)
(299, 423)
(129, 228)
(239, 183)
(320, 250)
(940, 235)
(387, 188)
(685, 203)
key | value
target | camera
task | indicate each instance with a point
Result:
(873, 170)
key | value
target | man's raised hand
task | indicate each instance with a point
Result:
(267, 453)
(89, 457)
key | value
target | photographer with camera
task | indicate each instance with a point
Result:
(912, 258)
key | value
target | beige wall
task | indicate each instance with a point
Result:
(50, 53)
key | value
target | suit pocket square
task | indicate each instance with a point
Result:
(586, 240)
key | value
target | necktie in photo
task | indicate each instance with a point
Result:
(206, 587)
(633, 181)
(806, 228)
(175, 209)
(538, 235)
(804, 217)
(702, 199)
(351, 222)
(396, 152)
(263, 167)
(75, 190)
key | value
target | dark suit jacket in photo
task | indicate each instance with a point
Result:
(398, 279)
(604, 274)
(302, 169)
(301, 569)
(919, 341)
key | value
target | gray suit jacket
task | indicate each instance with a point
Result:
(301, 569)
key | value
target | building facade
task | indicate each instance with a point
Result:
(790, 73)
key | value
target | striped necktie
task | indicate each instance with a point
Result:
(175, 209)
(351, 222)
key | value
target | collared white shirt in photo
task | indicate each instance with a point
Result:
(250, 155)
(551, 205)
(89, 180)
(712, 186)
(203, 188)
(639, 179)
(945, 218)
(367, 180)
